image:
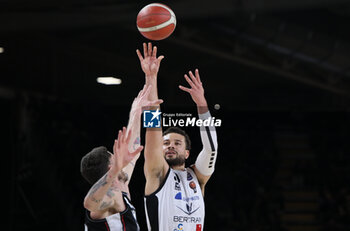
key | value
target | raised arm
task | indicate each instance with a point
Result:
(204, 165)
(150, 66)
(155, 167)
(134, 125)
(103, 193)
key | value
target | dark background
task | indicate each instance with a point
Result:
(279, 70)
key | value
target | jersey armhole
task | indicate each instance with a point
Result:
(161, 185)
(127, 203)
(89, 218)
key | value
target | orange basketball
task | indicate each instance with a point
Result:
(156, 21)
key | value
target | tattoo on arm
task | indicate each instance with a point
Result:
(100, 183)
(105, 204)
(110, 193)
(112, 190)
(136, 143)
(95, 200)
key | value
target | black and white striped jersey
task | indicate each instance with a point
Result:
(123, 221)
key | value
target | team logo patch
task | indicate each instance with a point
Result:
(189, 209)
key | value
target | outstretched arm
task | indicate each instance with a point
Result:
(155, 167)
(150, 64)
(102, 194)
(204, 165)
(134, 124)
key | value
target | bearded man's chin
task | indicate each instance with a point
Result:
(175, 162)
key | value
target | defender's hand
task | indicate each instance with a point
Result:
(122, 156)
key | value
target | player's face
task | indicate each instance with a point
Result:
(174, 149)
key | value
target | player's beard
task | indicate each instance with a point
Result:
(178, 161)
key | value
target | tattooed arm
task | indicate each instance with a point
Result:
(135, 141)
(102, 194)
(105, 193)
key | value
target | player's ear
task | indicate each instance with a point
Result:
(187, 154)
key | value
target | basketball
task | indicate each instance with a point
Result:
(156, 21)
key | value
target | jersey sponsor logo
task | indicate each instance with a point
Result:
(189, 209)
(180, 227)
(187, 199)
(193, 186)
(151, 118)
(189, 176)
(178, 196)
(183, 219)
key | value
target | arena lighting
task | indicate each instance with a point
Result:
(1, 50)
(109, 80)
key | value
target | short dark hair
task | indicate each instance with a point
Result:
(181, 132)
(95, 164)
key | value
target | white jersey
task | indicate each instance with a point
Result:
(177, 204)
